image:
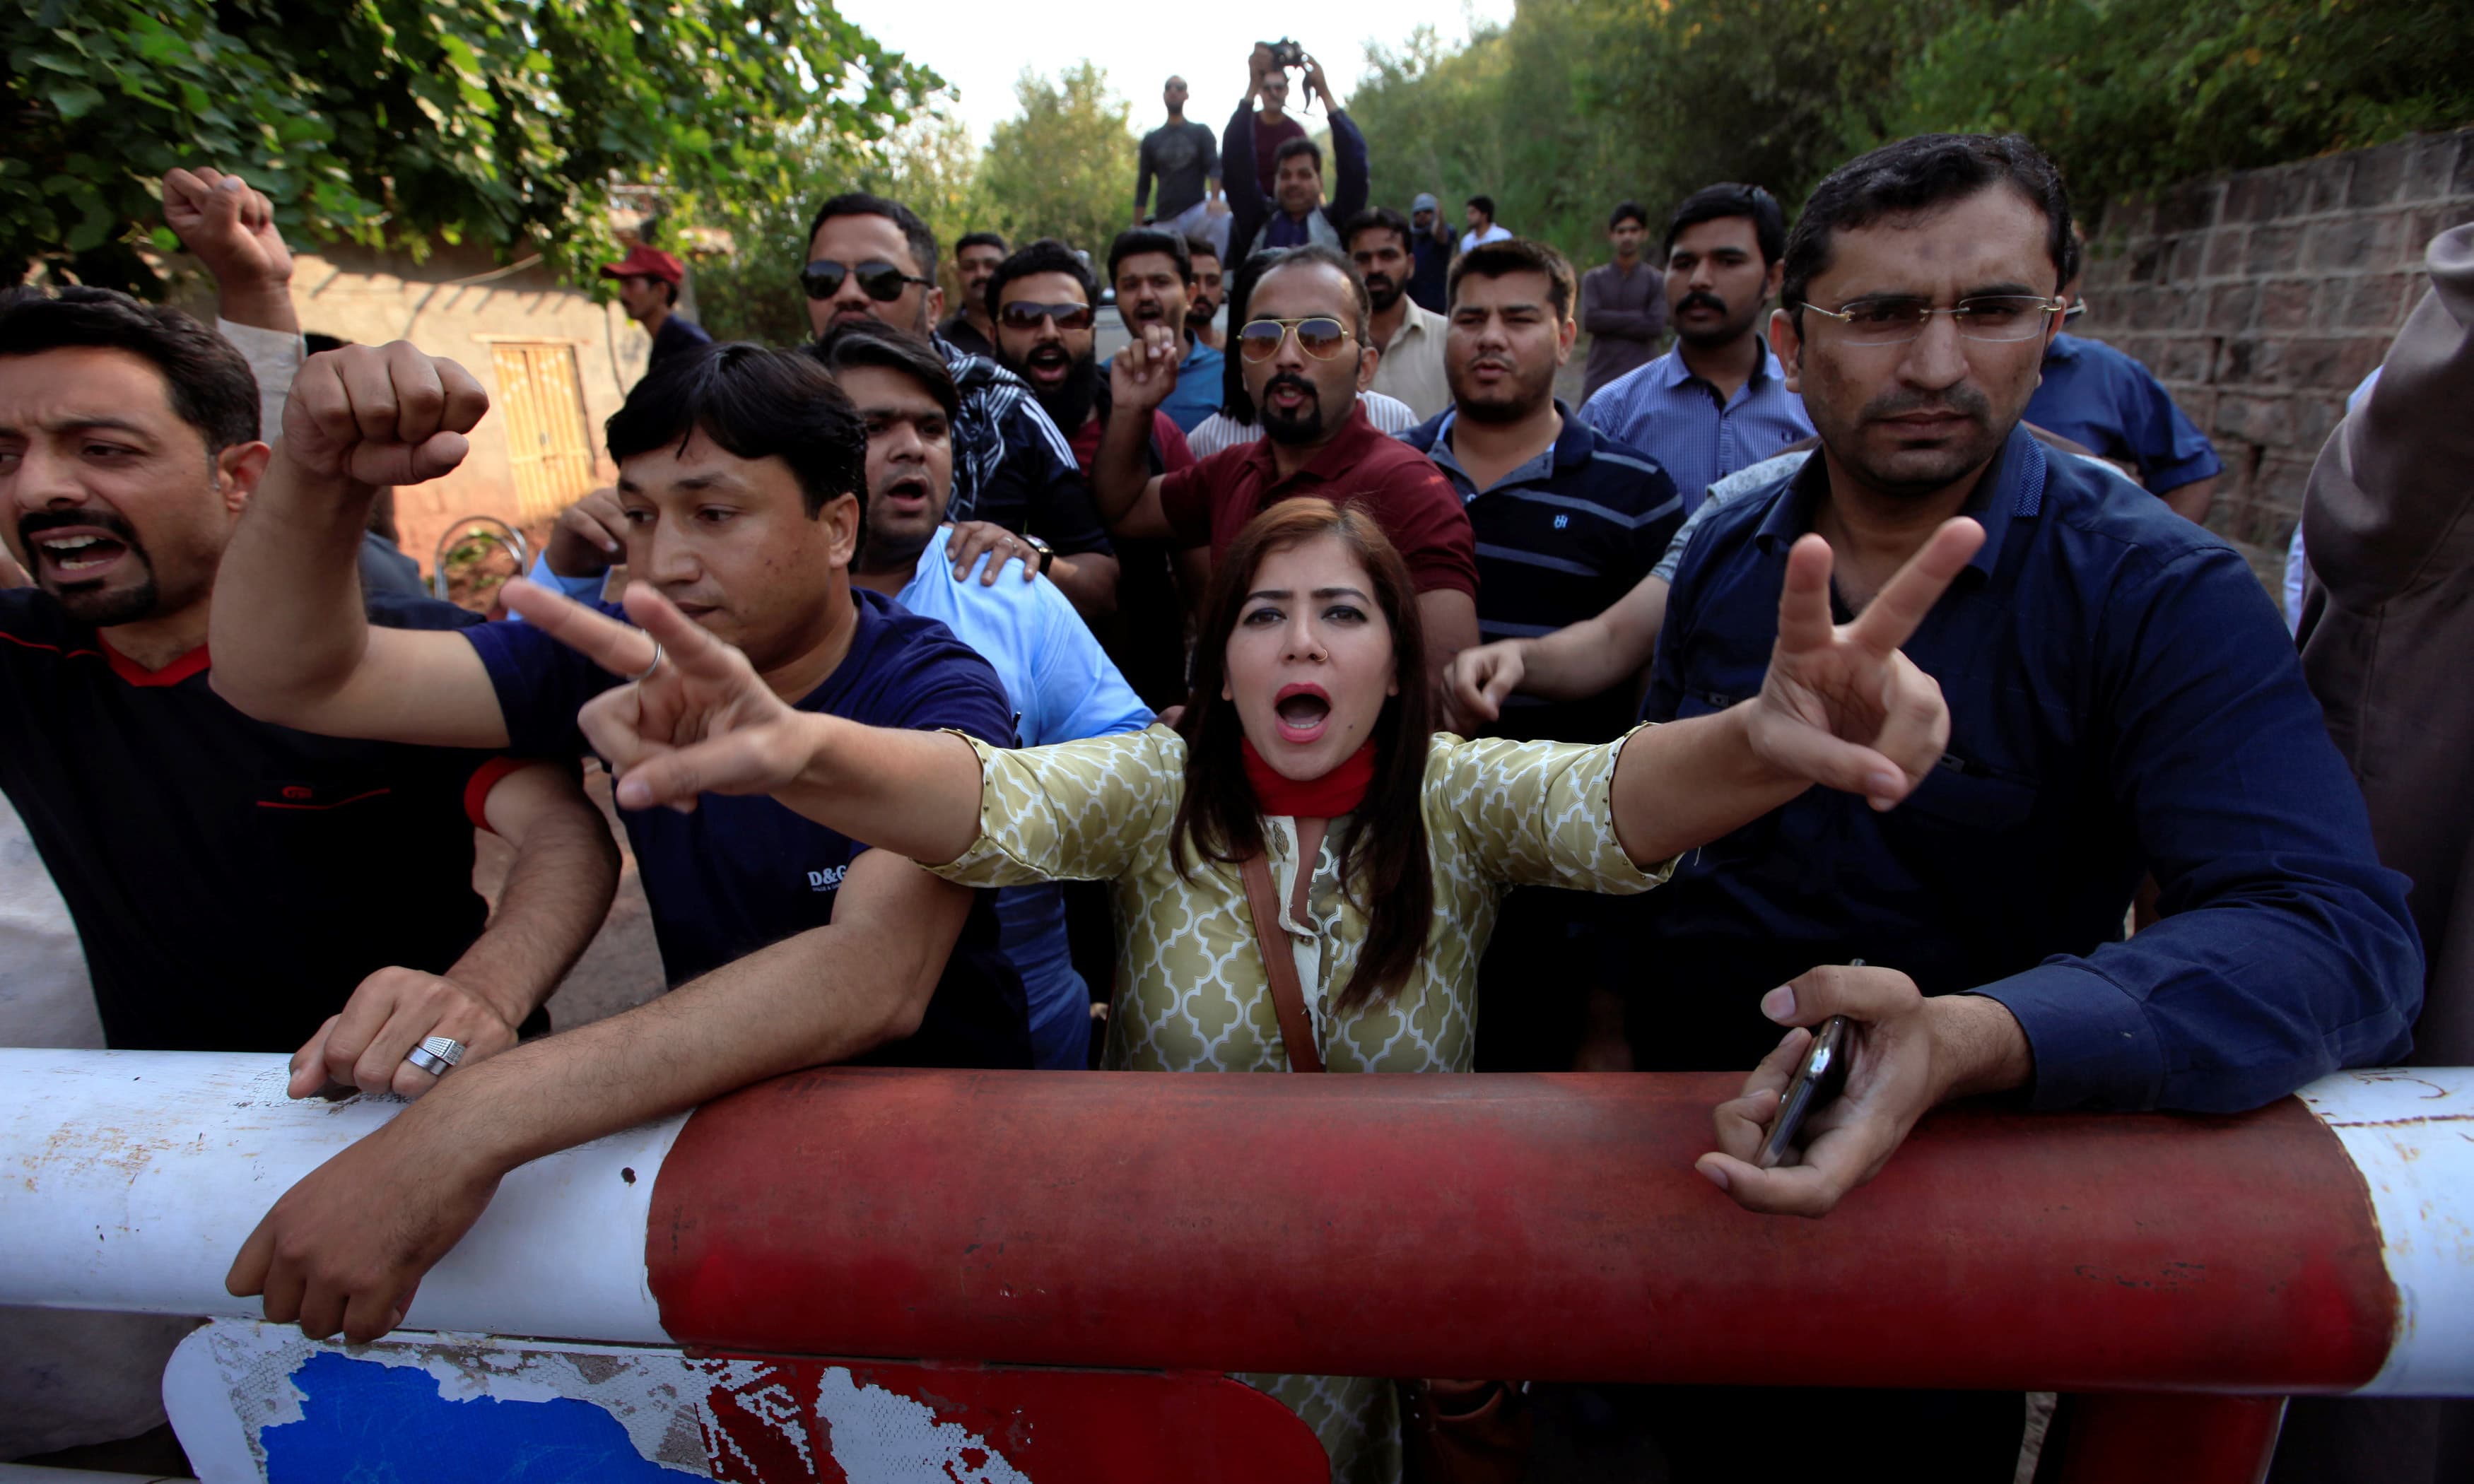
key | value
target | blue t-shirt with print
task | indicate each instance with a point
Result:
(741, 874)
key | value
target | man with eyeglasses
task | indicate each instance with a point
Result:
(1014, 473)
(1716, 402)
(2124, 702)
(1305, 359)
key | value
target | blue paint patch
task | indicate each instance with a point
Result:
(363, 1423)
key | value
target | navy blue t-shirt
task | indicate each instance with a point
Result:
(742, 874)
(232, 881)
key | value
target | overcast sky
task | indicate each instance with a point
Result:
(981, 46)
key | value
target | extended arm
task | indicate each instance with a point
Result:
(344, 1248)
(1570, 664)
(1247, 206)
(1128, 493)
(1348, 164)
(558, 889)
(231, 228)
(291, 642)
(1142, 179)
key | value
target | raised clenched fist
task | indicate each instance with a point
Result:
(380, 414)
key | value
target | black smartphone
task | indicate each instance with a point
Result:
(1818, 1078)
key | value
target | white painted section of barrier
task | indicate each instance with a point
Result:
(130, 1178)
(2410, 1131)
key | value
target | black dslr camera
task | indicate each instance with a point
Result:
(1285, 53)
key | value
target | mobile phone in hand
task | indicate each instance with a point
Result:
(1818, 1078)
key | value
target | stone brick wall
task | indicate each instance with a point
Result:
(2261, 299)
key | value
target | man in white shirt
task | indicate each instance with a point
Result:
(1482, 225)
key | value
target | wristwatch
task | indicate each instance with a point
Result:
(1047, 553)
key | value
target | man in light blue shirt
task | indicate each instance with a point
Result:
(1716, 402)
(1060, 686)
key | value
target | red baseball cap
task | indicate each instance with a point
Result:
(642, 262)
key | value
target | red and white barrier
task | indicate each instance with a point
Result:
(1547, 1226)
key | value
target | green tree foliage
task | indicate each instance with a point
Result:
(1579, 104)
(2130, 97)
(391, 122)
(1065, 168)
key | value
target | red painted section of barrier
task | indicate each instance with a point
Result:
(1546, 1227)
(2125, 1439)
(1091, 1427)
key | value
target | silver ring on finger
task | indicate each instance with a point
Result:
(636, 679)
(436, 1055)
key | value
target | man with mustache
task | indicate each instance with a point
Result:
(1153, 272)
(1185, 157)
(239, 886)
(1305, 359)
(1566, 521)
(2124, 702)
(1016, 487)
(1716, 402)
(1205, 293)
(974, 257)
(1410, 335)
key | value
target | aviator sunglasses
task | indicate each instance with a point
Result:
(879, 281)
(1319, 336)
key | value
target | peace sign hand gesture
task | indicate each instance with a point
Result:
(695, 719)
(1841, 705)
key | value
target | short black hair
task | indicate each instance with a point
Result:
(1202, 247)
(860, 341)
(1379, 219)
(1266, 264)
(1627, 211)
(206, 380)
(914, 231)
(1289, 150)
(1047, 255)
(1135, 242)
(967, 241)
(1728, 199)
(1917, 175)
(1485, 204)
(1515, 255)
(755, 402)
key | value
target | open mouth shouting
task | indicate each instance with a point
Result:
(1289, 395)
(906, 495)
(1049, 364)
(69, 555)
(1303, 712)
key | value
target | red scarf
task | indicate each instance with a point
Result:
(1336, 793)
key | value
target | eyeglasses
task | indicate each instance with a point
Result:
(1319, 336)
(1024, 314)
(1997, 317)
(881, 281)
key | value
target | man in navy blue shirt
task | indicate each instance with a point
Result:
(2096, 395)
(740, 473)
(2123, 702)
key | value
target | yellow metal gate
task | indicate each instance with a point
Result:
(548, 445)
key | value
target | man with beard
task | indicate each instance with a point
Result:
(1061, 685)
(1014, 474)
(1304, 355)
(2124, 702)
(1185, 157)
(1566, 520)
(974, 257)
(1410, 336)
(1205, 293)
(1717, 401)
(239, 886)
(1152, 272)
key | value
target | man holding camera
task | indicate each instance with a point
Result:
(1290, 208)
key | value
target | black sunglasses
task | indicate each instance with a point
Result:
(881, 281)
(1024, 314)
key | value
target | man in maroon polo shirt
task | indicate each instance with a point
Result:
(1305, 357)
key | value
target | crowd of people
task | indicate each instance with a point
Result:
(1383, 710)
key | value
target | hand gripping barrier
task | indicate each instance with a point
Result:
(1540, 1227)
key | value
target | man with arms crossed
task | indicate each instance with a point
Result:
(742, 473)
(1623, 303)
(1305, 360)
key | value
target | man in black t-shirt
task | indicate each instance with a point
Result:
(742, 473)
(239, 886)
